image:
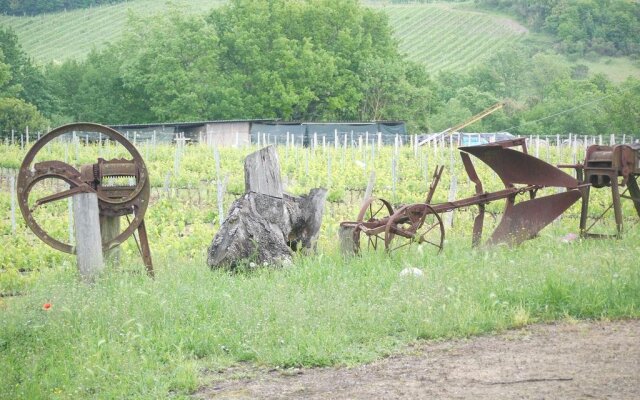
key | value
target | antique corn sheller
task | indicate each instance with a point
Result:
(122, 187)
(521, 174)
(614, 167)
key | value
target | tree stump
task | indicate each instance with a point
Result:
(265, 224)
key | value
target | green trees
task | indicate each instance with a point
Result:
(544, 96)
(623, 109)
(20, 85)
(314, 60)
(305, 60)
(609, 27)
(17, 114)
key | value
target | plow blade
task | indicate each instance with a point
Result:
(516, 167)
(524, 220)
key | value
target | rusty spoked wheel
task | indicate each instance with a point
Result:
(133, 200)
(414, 223)
(374, 213)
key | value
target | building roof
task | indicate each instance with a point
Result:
(186, 124)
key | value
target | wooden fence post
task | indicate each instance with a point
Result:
(86, 225)
(12, 189)
(370, 185)
(453, 192)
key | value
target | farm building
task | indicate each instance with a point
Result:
(221, 133)
(242, 132)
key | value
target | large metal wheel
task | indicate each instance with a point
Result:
(374, 212)
(414, 223)
(133, 201)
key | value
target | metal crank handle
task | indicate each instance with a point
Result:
(84, 188)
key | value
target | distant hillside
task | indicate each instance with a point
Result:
(443, 36)
(446, 38)
(72, 34)
(438, 35)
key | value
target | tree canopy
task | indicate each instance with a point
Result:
(606, 27)
(303, 60)
(22, 88)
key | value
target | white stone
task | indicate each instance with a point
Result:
(411, 271)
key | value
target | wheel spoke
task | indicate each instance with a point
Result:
(405, 244)
(431, 243)
(408, 226)
(372, 214)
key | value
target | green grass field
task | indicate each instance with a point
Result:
(131, 337)
(128, 336)
(617, 69)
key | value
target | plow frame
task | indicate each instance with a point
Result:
(614, 167)
(421, 222)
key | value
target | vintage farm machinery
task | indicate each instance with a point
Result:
(121, 185)
(522, 175)
(614, 167)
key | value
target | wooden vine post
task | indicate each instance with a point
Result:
(86, 223)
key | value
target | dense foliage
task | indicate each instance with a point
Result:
(308, 60)
(610, 27)
(317, 60)
(34, 7)
(545, 96)
(22, 88)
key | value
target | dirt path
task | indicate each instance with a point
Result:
(582, 360)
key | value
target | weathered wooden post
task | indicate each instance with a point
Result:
(369, 191)
(12, 189)
(265, 224)
(86, 225)
(262, 173)
(347, 239)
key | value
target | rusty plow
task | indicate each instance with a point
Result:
(522, 176)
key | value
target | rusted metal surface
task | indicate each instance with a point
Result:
(521, 174)
(122, 187)
(612, 167)
(524, 220)
(414, 223)
(514, 167)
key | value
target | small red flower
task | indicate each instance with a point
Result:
(46, 306)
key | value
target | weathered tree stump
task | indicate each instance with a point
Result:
(265, 224)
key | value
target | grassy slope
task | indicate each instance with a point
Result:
(616, 68)
(444, 37)
(60, 36)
